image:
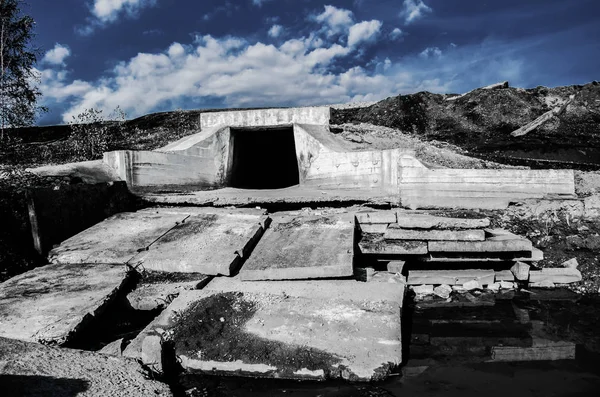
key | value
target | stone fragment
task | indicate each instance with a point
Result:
(571, 263)
(505, 275)
(495, 287)
(520, 271)
(387, 277)
(471, 285)
(493, 244)
(114, 348)
(434, 235)
(560, 275)
(395, 266)
(507, 285)
(424, 221)
(443, 291)
(378, 228)
(423, 289)
(459, 288)
(393, 247)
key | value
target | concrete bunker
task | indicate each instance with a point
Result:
(263, 158)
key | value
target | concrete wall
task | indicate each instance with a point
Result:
(266, 117)
(421, 187)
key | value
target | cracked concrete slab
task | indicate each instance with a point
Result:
(50, 304)
(209, 242)
(303, 246)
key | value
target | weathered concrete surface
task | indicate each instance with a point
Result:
(117, 239)
(450, 277)
(410, 220)
(30, 369)
(377, 228)
(249, 197)
(504, 275)
(559, 275)
(156, 290)
(492, 244)
(57, 214)
(266, 117)
(542, 350)
(328, 338)
(303, 246)
(51, 304)
(434, 235)
(421, 187)
(392, 247)
(214, 242)
(376, 217)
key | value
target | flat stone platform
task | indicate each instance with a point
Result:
(50, 304)
(298, 246)
(253, 328)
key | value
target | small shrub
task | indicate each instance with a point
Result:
(92, 134)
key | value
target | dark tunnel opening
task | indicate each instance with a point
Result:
(264, 158)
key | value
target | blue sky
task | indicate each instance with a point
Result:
(155, 55)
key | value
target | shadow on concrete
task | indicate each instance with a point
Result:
(36, 385)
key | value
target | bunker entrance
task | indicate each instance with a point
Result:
(264, 158)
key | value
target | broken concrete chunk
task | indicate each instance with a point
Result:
(423, 289)
(376, 217)
(395, 266)
(436, 235)
(505, 275)
(51, 304)
(560, 275)
(521, 271)
(114, 348)
(364, 273)
(450, 277)
(443, 291)
(387, 277)
(495, 287)
(424, 221)
(571, 263)
(507, 285)
(156, 290)
(471, 285)
(393, 247)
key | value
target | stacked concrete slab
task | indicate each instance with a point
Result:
(423, 238)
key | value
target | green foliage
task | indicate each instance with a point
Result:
(92, 134)
(18, 78)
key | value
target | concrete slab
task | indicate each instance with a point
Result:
(51, 304)
(490, 245)
(505, 275)
(117, 239)
(209, 243)
(542, 350)
(302, 247)
(450, 277)
(257, 333)
(392, 247)
(410, 220)
(30, 369)
(561, 275)
(434, 235)
(378, 228)
(156, 290)
(376, 217)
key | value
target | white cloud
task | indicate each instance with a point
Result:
(105, 12)
(413, 10)
(365, 31)
(337, 19)
(230, 71)
(57, 55)
(259, 3)
(396, 33)
(431, 52)
(275, 31)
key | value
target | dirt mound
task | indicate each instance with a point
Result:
(482, 120)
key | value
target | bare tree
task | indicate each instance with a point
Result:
(18, 79)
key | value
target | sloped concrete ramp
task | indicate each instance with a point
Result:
(51, 304)
(300, 246)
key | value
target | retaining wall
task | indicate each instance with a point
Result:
(266, 117)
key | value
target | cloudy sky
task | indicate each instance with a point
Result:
(155, 55)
